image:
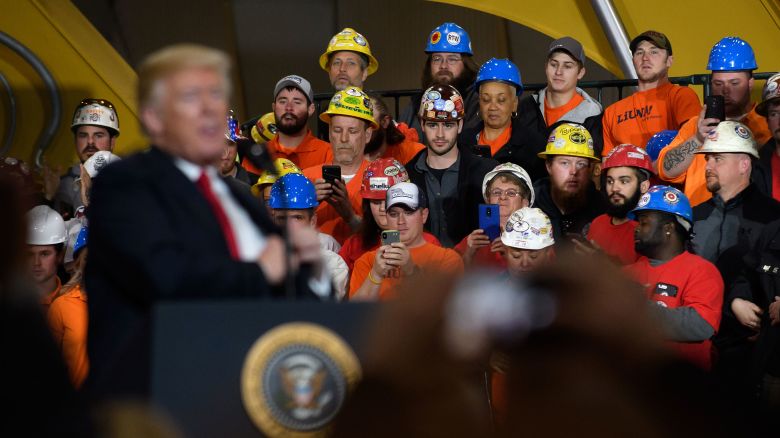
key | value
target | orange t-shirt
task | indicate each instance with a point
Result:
(310, 152)
(68, 322)
(695, 187)
(552, 115)
(328, 219)
(428, 257)
(403, 151)
(637, 117)
(498, 142)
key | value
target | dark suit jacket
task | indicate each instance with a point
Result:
(153, 237)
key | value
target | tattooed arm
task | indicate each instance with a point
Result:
(678, 158)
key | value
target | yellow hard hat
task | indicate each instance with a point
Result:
(570, 139)
(353, 102)
(283, 167)
(351, 41)
(265, 128)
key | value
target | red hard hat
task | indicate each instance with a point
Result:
(628, 155)
(380, 176)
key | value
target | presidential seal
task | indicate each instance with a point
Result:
(296, 378)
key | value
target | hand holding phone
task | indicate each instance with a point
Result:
(716, 108)
(390, 236)
(331, 172)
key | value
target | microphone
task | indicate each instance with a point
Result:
(257, 154)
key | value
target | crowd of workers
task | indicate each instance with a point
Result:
(686, 203)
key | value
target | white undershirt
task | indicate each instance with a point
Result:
(250, 241)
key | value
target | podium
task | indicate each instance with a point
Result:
(200, 349)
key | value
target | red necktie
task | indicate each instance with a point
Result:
(204, 185)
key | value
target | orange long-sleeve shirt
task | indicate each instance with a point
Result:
(310, 152)
(68, 321)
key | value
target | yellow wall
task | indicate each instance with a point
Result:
(693, 26)
(82, 63)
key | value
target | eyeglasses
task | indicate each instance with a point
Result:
(509, 193)
(450, 60)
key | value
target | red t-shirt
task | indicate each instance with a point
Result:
(552, 115)
(616, 240)
(687, 280)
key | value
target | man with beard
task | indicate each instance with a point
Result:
(348, 60)
(449, 62)
(568, 196)
(351, 121)
(767, 169)
(687, 289)
(657, 105)
(292, 106)
(95, 128)
(728, 227)
(390, 140)
(627, 171)
(450, 178)
(732, 62)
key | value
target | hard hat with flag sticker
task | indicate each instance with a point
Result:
(528, 228)
(233, 132)
(449, 38)
(732, 54)
(380, 175)
(770, 94)
(96, 112)
(628, 155)
(570, 139)
(353, 102)
(500, 70)
(730, 137)
(349, 40)
(667, 200)
(264, 129)
(441, 103)
(283, 167)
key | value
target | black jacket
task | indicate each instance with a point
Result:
(575, 222)
(153, 237)
(462, 210)
(724, 234)
(762, 168)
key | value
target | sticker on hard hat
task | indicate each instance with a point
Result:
(367, 102)
(560, 142)
(454, 113)
(636, 155)
(771, 86)
(379, 183)
(435, 37)
(644, 200)
(359, 40)
(449, 105)
(433, 95)
(742, 132)
(336, 98)
(352, 91)
(392, 170)
(438, 105)
(453, 38)
(577, 138)
(671, 197)
(352, 100)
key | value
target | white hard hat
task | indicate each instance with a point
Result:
(96, 112)
(509, 168)
(98, 161)
(45, 226)
(528, 228)
(731, 137)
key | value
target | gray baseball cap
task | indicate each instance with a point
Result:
(297, 82)
(570, 46)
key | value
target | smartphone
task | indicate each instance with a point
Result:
(716, 108)
(489, 220)
(391, 236)
(331, 173)
(482, 150)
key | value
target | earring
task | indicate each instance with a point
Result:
(514, 114)
(668, 233)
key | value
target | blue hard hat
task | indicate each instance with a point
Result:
(81, 240)
(665, 199)
(658, 141)
(731, 54)
(502, 70)
(293, 191)
(449, 38)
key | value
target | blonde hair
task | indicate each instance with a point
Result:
(173, 59)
